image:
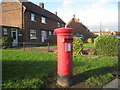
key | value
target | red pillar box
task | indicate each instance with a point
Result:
(64, 49)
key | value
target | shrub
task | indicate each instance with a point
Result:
(90, 40)
(6, 42)
(77, 46)
(106, 45)
(0, 42)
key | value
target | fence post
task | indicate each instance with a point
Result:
(48, 47)
(23, 45)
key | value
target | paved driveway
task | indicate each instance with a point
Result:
(113, 84)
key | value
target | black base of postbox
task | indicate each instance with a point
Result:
(64, 80)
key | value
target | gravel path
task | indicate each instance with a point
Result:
(39, 49)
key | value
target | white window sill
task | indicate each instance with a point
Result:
(5, 34)
(33, 38)
(20, 34)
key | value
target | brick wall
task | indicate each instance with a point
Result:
(38, 26)
(12, 14)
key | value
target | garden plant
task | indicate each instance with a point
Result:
(106, 45)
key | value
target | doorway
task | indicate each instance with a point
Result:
(14, 34)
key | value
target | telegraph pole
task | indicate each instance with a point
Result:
(100, 29)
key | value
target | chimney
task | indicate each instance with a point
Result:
(56, 13)
(73, 15)
(41, 5)
(78, 20)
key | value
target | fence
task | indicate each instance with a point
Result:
(35, 46)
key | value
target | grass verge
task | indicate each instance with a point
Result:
(28, 69)
(96, 71)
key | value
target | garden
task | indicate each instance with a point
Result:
(30, 69)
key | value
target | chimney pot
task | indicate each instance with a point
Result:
(56, 13)
(73, 15)
(78, 19)
(41, 5)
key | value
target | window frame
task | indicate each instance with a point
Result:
(32, 31)
(32, 17)
(43, 20)
(50, 32)
(63, 25)
(54, 33)
(5, 32)
(58, 24)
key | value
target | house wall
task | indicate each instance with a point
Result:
(9, 30)
(12, 14)
(16, 15)
(38, 26)
(79, 28)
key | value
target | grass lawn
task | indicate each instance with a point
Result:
(96, 71)
(28, 69)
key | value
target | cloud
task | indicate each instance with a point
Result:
(72, 0)
(93, 14)
(96, 15)
(100, 3)
(92, 17)
(67, 3)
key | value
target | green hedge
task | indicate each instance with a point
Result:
(77, 46)
(6, 42)
(106, 45)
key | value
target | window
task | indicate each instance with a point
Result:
(33, 34)
(32, 17)
(44, 35)
(54, 33)
(58, 24)
(43, 20)
(20, 34)
(5, 31)
(50, 33)
(62, 25)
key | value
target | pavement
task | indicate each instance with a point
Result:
(113, 84)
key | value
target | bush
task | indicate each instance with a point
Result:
(0, 42)
(106, 45)
(90, 40)
(77, 46)
(6, 42)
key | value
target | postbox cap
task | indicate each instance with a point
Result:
(63, 30)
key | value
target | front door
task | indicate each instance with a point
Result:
(15, 37)
(44, 36)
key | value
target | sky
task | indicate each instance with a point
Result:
(90, 12)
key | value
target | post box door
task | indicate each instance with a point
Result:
(68, 47)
